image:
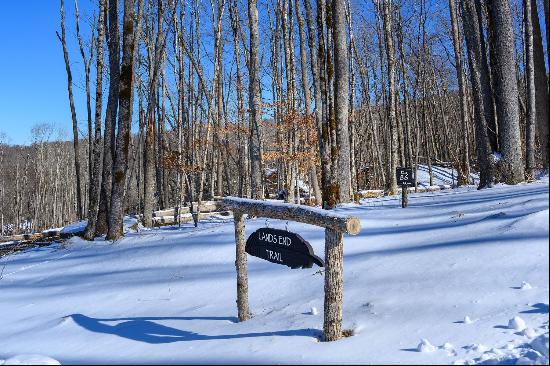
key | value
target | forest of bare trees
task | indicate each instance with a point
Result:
(191, 100)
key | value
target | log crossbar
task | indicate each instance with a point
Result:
(335, 226)
(299, 213)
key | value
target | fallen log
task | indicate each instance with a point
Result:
(207, 206)
(184, 218)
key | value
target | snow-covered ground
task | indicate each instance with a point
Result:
(460, 276)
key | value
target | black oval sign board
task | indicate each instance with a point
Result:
(282, 247)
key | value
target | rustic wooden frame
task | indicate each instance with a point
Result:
(335, 226)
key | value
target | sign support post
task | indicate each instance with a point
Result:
(242, 268)
(405, 178)
(404, 196)
(334, 284)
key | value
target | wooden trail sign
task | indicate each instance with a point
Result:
(335, 226)
(282, 247)
(405, 177)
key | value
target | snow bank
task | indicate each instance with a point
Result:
(30, 360)
(74, 229)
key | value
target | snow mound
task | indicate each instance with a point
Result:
(476, 347)
(30, 360)
(516, 323)
(526, 286)
(425, 346)
(534, 353)
(529, 333)
(74, 229)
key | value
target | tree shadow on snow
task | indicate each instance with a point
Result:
(539, 308)
(146, 330)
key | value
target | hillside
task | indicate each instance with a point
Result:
(434, 283)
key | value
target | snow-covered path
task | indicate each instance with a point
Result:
(168, 295)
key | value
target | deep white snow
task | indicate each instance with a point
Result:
(434, 283)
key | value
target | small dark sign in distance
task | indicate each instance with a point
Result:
(282, 247)
(405, 177)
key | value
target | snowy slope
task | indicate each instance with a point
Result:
(444, 276)
(442, 177)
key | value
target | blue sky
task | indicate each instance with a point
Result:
(33, 81)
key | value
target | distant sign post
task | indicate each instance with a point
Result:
(405, 179)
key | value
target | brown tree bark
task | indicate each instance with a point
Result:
(464, 172)
(318, 95)
(109, 142)
(62, 39)
(506, 93)
(541, 84)
(124, 117)
(307, 95)
(391, 179)
(149, 156)
(481, 103)
(530, 81)
(341, 97)
(255, 102)
(95, 180)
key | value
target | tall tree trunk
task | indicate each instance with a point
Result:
(149, 156)
(341, 96)
(531, 105)
(307, 96)
(255, 101)
(93, 205)
(547, 23)
(541, 83)
(109, 142)
(391, 179)
(73, 111)
(481, 103)
(464, 171)
(317, 95)
(126, 88)
(506, 93)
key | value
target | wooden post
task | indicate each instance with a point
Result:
(404, 196)
(241, 266)
(334, 285)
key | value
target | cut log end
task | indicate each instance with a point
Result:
(353, 226)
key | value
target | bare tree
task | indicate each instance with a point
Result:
(506, 93)
(464, 172)
(63, 41)
(109, 142)
(541, 83)
(126, 87)
(341, 96)
(391, 163)
(480, 101)
(149, 181)
(531, 106)
(95, 179)
(255, 102)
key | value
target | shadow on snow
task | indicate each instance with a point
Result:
(146, 330)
